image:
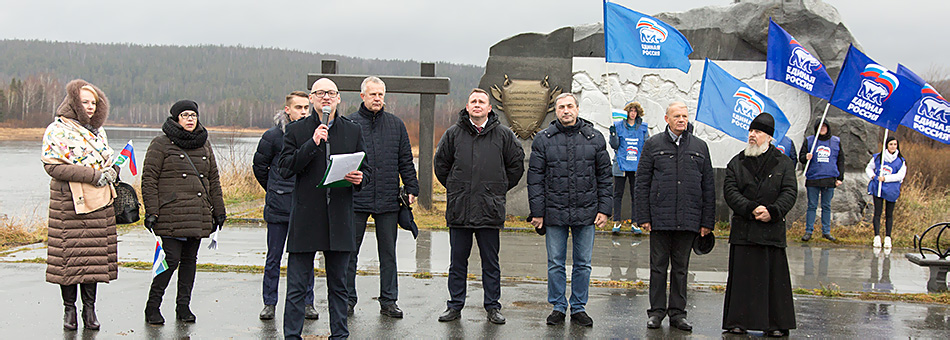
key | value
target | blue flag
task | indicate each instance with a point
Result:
(729, 105)
(641, 40)
(930, 115)
(789, 62)
(870, 91)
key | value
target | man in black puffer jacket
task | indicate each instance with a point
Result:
(389, 154)
(569, 191)
(477, 161)
(277, 201)
(675, 194)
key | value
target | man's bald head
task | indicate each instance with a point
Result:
(324, 93)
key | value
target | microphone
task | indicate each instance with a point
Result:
(326, 115)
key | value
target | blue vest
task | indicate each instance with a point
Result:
(631, 143)
(787, 148)
(824, 162)
(891, 190)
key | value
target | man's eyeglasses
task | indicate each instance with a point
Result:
(189, 115)
(321, 93)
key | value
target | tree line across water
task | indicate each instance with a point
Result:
(234, 85)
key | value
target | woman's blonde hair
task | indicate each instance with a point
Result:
(634, 106)
(91, 90)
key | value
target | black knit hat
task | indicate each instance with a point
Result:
(182, 106)
(764, 122)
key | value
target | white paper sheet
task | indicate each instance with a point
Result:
(342, 164)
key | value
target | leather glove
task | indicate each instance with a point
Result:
(150, 222)
(219, 222)
(108, 176)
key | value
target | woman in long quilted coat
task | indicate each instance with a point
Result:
(82, 235)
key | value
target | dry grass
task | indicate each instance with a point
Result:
(16, 232)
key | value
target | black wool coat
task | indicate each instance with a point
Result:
(675, 188)
(477, 170)
(767, 180)
(316, 225)
(569, 176)
(389, 155)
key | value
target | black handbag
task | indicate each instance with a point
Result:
(126, 204)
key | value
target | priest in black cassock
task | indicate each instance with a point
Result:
(760, 188)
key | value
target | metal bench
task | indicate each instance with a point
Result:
(938, 262)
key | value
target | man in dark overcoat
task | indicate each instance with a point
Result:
(760, 188)
(312, 225)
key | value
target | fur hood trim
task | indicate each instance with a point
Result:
(72, 105)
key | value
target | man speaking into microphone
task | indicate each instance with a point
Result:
(308, 143)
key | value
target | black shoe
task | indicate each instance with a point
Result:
(450, 314)
(154, 316)
(268, 312)
(829, 237)
(654, 322)
(391, 310)
(184, 314)
(581, 318)
(736, 330)
(495, 317)
(681, 324)
(310, 313)
(89, 319)
(556, 318)
(777, 333)
(806, 237)
(350, 309)
(69, 318)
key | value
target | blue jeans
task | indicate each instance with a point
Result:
(583, 244)
(826, 195)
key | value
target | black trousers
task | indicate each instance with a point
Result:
(669, 249)
(386, 231)
(889, 214)
(630, 177)
(183, 257)
(299, 268)
(460, 240)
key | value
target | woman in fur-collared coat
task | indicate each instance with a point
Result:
(82, 236)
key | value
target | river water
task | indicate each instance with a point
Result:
(24, 186)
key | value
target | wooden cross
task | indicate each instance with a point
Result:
(427, 86)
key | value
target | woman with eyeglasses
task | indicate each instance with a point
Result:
(82, 236)
(183, 203)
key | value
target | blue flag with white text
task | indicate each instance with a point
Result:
(870, 91)
(729, 105)
(641, 40)
(930, 115)
(789, 62)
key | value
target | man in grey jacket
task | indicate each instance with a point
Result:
(675, 194)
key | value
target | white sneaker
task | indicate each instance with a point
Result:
(877, 241)
(887, 242)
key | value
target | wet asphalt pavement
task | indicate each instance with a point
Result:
(227, 304)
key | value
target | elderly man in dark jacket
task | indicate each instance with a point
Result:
(675, 194)
(389, 154)
(477, 161)
(569, 191)
(761, 188)
(308, 144)
(277, 202)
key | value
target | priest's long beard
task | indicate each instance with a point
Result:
(752, 150)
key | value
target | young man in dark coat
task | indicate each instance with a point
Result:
(277, 201)
(312, 227)
(477, 161)
(676, 201)
(389, 154)
(569, 192)
(760, 188)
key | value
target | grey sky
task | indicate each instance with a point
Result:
(424, 30)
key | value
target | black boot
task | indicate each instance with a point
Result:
(184, 314)
(69, 301)
(153, 313)
(88, 293)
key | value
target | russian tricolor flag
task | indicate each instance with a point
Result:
(127, 154)
(158, 263)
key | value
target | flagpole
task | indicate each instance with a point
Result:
(815, 140)
(880, 170)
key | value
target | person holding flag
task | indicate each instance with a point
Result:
(886, 172)
(626, 138)
(822, 176)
